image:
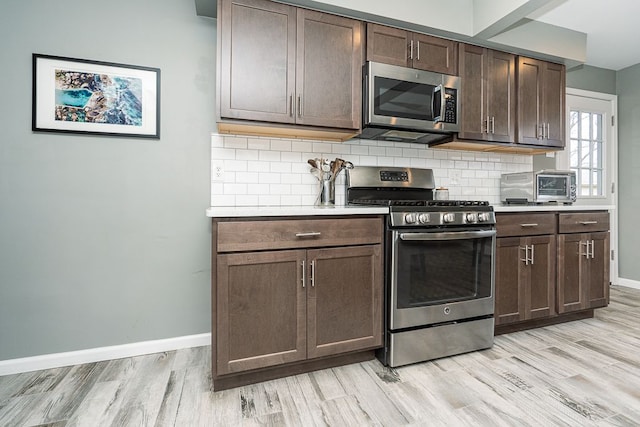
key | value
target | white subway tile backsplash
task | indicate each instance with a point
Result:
(274, 171)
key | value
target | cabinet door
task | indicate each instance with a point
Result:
(540, 301)
(329, 70)
(571, 292)
(257, 60)
(473, 114)
(541, 99)
(553, 104)
(344, 300)
(435, 54)
(261, 310)
(388, 45)
(598, 275)
(501, 96)
(510, 294)
(530, 80)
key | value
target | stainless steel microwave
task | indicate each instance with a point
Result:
(405, 104)
(545, 186)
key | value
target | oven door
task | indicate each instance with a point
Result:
(441, 276)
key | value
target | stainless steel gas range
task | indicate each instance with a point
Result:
(439, 272)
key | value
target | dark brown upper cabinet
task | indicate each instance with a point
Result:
(282, 64)
(541, 103)
(414, 50)
(488, 94)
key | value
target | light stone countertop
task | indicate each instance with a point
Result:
(551, 208)
(249, 211)
(274, 211)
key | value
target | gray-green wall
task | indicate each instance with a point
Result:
(628, 89)
(103, 240)
(592, 78)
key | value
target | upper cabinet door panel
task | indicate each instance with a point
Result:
(501, 96)
(388, 45)
(529, 91)
(329, 69)
(473, 114)
(258, 41)
(435, 54)
(554, 103)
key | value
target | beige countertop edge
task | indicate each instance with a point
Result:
(552, 208)
(251, 211)
(248, 211)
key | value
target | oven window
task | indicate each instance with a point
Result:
(552, 185)
(397, 98)
(443, 271)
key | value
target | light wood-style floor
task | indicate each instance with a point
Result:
(584, 373)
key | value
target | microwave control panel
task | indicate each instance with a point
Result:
(451, 101)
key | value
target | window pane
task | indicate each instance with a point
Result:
(584, 183)
(573, 123)
(573, 153)
(585, 154)
(585, 124)
(597, 127)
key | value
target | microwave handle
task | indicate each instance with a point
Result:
(438, 103)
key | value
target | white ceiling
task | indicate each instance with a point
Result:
(612, 28)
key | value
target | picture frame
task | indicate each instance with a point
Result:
(83, 96)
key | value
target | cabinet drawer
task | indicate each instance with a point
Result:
(579, 222)
(527, 224)
(297, 233)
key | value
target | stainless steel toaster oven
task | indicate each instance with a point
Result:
(545, 186)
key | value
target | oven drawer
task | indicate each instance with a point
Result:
(254, 235)
(525, 224)
(583, 222)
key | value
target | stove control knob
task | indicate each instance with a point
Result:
(424, 218)
(411, 218)
(448, 217)
(483, 217)
(471, 217)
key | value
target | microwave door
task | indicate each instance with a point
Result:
(437, 104)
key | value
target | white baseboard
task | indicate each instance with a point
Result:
(56, 360)
(628, 283)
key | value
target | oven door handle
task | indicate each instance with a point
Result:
(459, 235)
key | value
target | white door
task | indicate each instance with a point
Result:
(591, 151)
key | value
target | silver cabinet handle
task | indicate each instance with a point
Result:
(309, 234)
(588, 222)
(526, 254)
(548, 130)
(411, 50)
(493, 125)
(586, 244)
(418, 56)
(592, 250)
(291, 105)
(299, 105)
(313, 273)
(304, 273)
(532, 254)
(487, 124)
(533, 224)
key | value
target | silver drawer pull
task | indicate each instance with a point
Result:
(588, 222)
(309, 234)
(529, 225)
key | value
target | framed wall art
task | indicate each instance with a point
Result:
(95, 97)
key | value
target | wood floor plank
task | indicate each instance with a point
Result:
(582, 373)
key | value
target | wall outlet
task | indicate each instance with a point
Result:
(217, 173)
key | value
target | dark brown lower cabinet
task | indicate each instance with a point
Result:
(551, 267)
(525, 272)
(583, 271)
(279, 308)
